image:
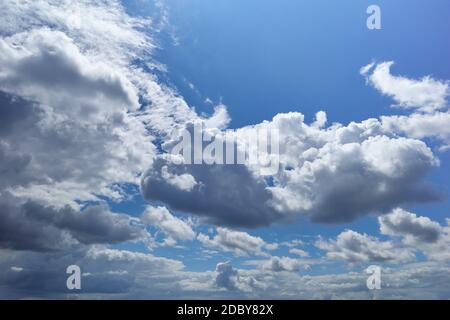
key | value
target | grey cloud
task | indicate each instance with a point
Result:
(43, 276)
(403, 223)
(347, 181)
(76, 84)
(225, 194)
(226, 276)
(105, 273)
(418, 233)
(229, 278)
(28, 225)
(356, 248)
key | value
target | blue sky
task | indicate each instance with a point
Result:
(90, 103)
(262, 59)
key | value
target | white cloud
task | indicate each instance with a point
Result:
(220, 118)
(343, 172)
(237, 242)
(172, 226)
(80, 85)
(321, 119)
(299, 252)
(292, 243)
(279, 264)
(184, 182)
(16, 269)
(123, 257)
(420, 125)
(69, 92)
(427, 94)
(333, 175)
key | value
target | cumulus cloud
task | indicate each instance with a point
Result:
(80, 95)
(150, 277)
(79, 112)
(228, 277)
(421, 125)
(330, 175)
(237, 242)
(74, 127)
(80, 86)
(427, 94)
(343, 172)
(173, 227)
(292, 243)
(401, 222)
(418, 233)
(63, 92)
(353, 247)
(220, 118)
(279, 264)
(299, 252)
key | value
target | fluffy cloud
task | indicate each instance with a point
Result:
(74, 120)
(421, 125)
(330, 175)
(80, 86)
(292, 243)
(237, 242)
(342, 172)
(354, 247)
(418, 233)
(345, 181)
(427, 94)
(403, 223)
(62, 92)
(426, 280)
(229, 278)
(299, 252)
(279, 264)
(79, 95)
(173, 227)
(431, 118)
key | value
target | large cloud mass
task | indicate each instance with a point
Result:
(330, 175)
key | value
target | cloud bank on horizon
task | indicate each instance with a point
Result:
(85, 121)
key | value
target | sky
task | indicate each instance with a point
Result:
(94, 94)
